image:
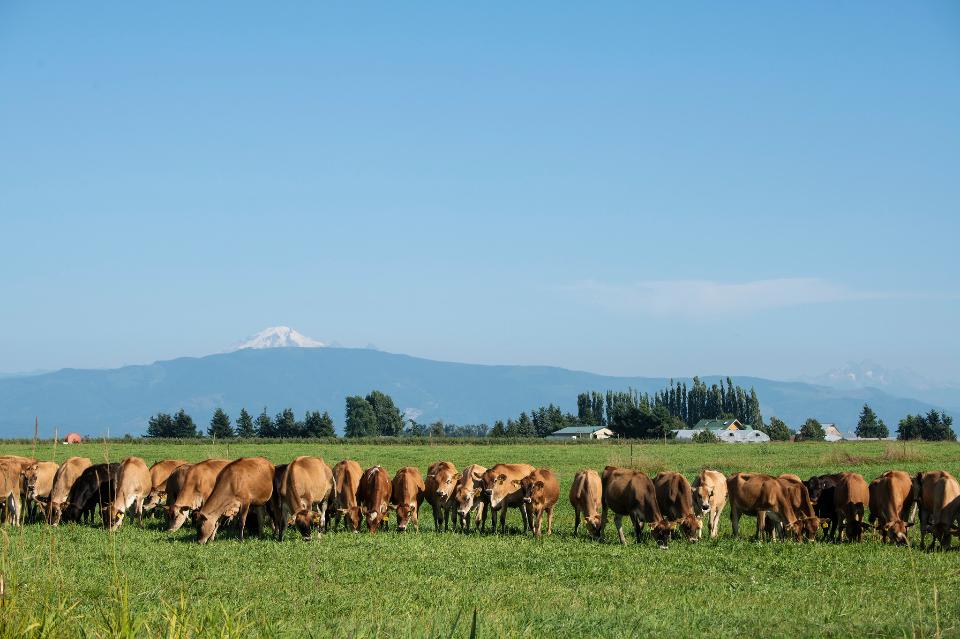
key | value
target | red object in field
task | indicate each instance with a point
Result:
(74, 438)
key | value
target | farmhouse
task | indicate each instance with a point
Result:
(581, 432)
(731, 431)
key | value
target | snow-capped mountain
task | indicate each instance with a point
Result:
(899, 382)
(278, 337)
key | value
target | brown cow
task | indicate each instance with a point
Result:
(307, 484)
(11, 485)
(631, 493)
(850, 498)
(173, 487)
(468, 497)
(586, 498)
(440, 482)
(159, 473)
(675, 500)
(501, 484)
(406, 497)
(892, 496)
(710, 497)
(939, 505)
(346, 481)
(197, 485)
(374, 497)
(275, 507)
(785, 500)
(541, 490)
(133, 486)
(63, 481)
(242, 484)
(38, 482)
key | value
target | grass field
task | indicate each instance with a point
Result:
(75, 579)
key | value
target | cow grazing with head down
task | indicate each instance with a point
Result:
(541, 490)
(198, 483)
(586, 498)
(275, 507)
(95, 487)
(133, 486)
(38, 482)
(675, 499)
(709, 498)
(939, 506)
(440, 483)
(630, 493)
(159, 473)
(67, 475)
(346, 483)
(892, 497)
(242, 486)
(468, 496)
(406, 496)
(850, 498)
(784, 500)
(501, 484)
(374, 497)
(306, 490)
(173, 486)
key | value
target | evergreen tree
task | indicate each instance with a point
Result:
(183, 426)
(812, 430)
(869, 426)
(265, 427)
(498, 430)
(160, 425)
(245, 427)
(777, 430)
(361, 421)
(934, 426)
(525, 426)
(286, 425)
(220, 427)
(317, 425)
(389, 419)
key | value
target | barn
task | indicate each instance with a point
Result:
(581, 432)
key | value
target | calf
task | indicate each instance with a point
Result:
(197, 485)
(307, 485)
(892, 496)
(501, 484)
(586, 498)
(675, 500)
(850, 498)
(785, 500)
(406, 496)
(710, 497)
(346, 482)
(67, 475)
(468, 497)
(631, 493)
(96, 486)
(439, 485)
(939, 505)
(374, 497)
(242, 485)
(133, 486)
(38, 479)
(159, 473)
(541, 490)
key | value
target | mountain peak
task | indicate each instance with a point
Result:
(279, 337)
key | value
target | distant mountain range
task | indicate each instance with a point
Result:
(900, 382)
(122, 400)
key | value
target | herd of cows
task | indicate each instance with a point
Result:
(309, 494)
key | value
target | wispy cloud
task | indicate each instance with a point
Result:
(696, 297)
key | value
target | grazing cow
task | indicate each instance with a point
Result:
(675, 500)
(440, 481)
(346, 482)
(11, 485)
(159, 473)
(631, 493)
(939, 506)
(307, 485)
(133, 486)
(822, 490)
(850, 498)
(275, 507)
(242, 485)
(892, 496)
(586, 498)
(67, 475)
(173, 487)
(38, 482)
(784, 500)
(373, 494)
(541, 490)
(406, 496)
(501, 484)
(96, 486)
(198, 483)
(710, 497)
(468, 496)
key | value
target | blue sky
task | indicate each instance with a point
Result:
(747, 188)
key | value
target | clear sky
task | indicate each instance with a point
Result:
(744, 188)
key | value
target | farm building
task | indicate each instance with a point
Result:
(731, 431)
(833, 434)
(582, 432)
(73, 438)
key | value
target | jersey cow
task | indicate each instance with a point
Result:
(939, 506)
(406, 496)
(439, 486)
(630, 493)
(709, 498)
(675, 499)
(541, 490)
(198, 483)
(468, 497)
(586, 498)
(501, 484)
(67, 475)
(373, 494)
(346, 482)
(892, 497)
(306, 489)
(243, 485)
(133, 487)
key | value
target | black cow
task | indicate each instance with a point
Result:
(96, 486)
(822, 489)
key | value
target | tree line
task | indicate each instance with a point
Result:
(284, 424)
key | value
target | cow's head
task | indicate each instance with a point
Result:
(445, 481)
(531, 488)
(303, 520)
(30, 479)
(206, 527)
(404, 513)
(376, 517)
(351, 516)
(594, 525)
(690, 526)
(805, 528)
(702, 495)
(661, 532)
(896, 531)
(498, 486)
(815, 487)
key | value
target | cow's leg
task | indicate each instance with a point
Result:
(503, 520)
(714, 524)
(482, 516)
(139, 507)
(761, 525)
(576, 521)
(735, 520)
(618, 522)
(550, 521)
(244, 510)
(539, 524)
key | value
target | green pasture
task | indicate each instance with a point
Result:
(76, 580)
